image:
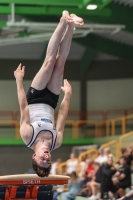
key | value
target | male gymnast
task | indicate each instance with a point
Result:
(37, 107)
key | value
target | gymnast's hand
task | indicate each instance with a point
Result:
(67, 89)
(19, 73)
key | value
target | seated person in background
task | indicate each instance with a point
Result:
(108, 170)
(106, 152)
(54, 169)
(129, 155)
(128, 152)
(90, 167)
(123, 151)
(84, 180)
(128, 196)
(102, 157)
(94, 185)
(74, 186)
(94, 172)
(131, 166)
(71, 165)
(122, 178)
(59, 189)
(82, 165)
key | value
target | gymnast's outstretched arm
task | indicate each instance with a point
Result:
(24, 110)
(63, 112)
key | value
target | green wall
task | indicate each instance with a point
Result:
(66, 141)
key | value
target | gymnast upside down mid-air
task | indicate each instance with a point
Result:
(37, 107)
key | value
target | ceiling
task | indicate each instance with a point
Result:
(26, 26)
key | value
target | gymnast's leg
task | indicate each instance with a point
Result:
(55, 82)
(43, 76)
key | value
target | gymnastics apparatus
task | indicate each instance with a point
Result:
(29, 186)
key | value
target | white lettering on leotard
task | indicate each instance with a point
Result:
(31, 181)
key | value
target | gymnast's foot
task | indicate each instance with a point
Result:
(66, 16)
(77, 20)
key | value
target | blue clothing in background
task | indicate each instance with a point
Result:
(74, 189)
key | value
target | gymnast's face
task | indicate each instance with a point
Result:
(42, 157)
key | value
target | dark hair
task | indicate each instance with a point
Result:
(41, 171)
(123, 150)
(123, 157)
(73, 174)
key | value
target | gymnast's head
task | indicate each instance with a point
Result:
(41, 162)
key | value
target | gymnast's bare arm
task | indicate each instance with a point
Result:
(63, 112)
(25, 128)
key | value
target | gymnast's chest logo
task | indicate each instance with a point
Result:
(39, 124)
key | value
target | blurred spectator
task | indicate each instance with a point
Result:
(106, 152)
(71, 165)
(102, 156)
(84, 180)
(74, 187)
(58, 191)
(94, 185)
(128, 196)
(90, 167)
(100, 176)
(108, 170)
(122, 178)
(128, 152)
(131, 166)
(82, 166)
(54, 169)
(123, 151)
(129, 155)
